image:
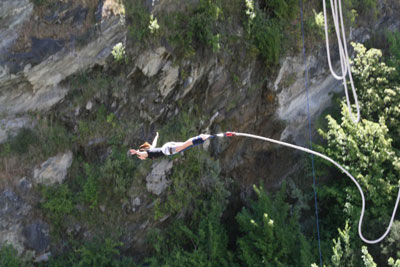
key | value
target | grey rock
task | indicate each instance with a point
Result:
(99, 9)
(24, 185)
(13, 210)
(156, 181)
(39, 50)
(13, 14)
(39, 88)
(74, 229)
(151, 62)
(37, 236)
(135, 203)
(54, 170)
(169, 79)
(11, 126)
(43, 258)
(289, 86)
(77, 111)
(89, 105)
(102, 208)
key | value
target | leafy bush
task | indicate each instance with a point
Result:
(9, 256)
(284, 10)
(118, 52)
(58, 203)
(116, 174)
(314, 26)
(391, 245)
(265, 26)
(343, 254)
(202, 241)
(266, 36)
(270, 235)
(137, 18)
(21, 142)
(367, 9)
(90, 188)
(368, 150)
(153, 24)
(45, 140)
(378, 90)
(53, 138)
(394, 50)
(98, 252)
(184, 193)
(196, 28)
(100, 124)
(365, 150)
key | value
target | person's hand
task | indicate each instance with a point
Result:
(141, 155)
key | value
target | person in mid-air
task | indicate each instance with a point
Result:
(151, 151)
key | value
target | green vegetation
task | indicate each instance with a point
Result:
(118, 52)
(195, 28)
(380, 93)
(138, 18)
(94, 253)
(39, 2)
(207, 26)
(22, 141)
(266, 36)
(200, 241)
(314, 26)
(9, 256)
(270, 235)
(185, 192)
(33, 145)
(153, 25)
(366, 9)
(394, 51)
(90, 186)
(369, 151)
(266, 24)
(58, 203)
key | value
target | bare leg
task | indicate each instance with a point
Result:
(189, 143)
(185, 145)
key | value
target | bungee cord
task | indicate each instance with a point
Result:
(232, 134)
(336, 7)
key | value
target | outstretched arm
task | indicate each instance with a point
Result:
(193, 141)
(140, 154)
(154, 144)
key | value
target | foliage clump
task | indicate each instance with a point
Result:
(118, 52)
(270, 234)
(265, 24)
(9, 256)
(368, 150)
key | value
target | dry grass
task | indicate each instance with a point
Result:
(11, 170)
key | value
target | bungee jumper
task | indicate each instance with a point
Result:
(171, 148)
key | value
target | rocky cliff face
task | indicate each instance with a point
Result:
(35, 70)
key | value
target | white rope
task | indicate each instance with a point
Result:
(341, 168)
(343, 54)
